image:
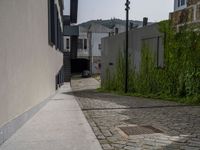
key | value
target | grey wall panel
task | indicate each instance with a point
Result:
(112, 45)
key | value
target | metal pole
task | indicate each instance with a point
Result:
(127, 38)
(90, 51)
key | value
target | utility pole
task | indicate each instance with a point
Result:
(126, 51)
(89, 35)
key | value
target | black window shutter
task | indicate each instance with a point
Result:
(58, 33)
(62, 42)
(51, 35)
(49, 21)
(56, 25)
(59, 40)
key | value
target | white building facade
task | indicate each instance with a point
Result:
(89, 43)
(83, 43)
(95, 33)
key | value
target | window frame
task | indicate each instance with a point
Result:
(181, 3)
(67, 43)
(178, 1)
(100, 46)
(80, 43)
(51, 23)
(85, 44)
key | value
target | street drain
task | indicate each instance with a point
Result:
(138, 130)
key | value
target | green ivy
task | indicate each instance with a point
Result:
(180, 77)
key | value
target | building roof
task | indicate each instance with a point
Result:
(98, 28)
(112, 23)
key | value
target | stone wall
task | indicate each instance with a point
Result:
(182, 16)
(198, 12)
(191, 14)
(192, 2)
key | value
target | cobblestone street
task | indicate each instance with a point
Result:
(106, 113)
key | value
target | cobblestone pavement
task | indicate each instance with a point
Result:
(180, 125)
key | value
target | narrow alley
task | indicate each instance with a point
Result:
(59, 125)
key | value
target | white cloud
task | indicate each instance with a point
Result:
(155, 10)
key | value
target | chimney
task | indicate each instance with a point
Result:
(145, 21)
(131, 26)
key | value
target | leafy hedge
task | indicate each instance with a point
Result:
(178, 80)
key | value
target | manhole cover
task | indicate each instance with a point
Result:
(138, 130)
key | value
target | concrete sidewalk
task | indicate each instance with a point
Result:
(60, 125)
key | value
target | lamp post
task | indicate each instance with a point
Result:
(126, 51)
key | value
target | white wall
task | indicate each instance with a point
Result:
(96, 52)
(28, 65)
(95, 41)
(83, 52)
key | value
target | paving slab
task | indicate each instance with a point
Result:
(107, 112)
(60, 125)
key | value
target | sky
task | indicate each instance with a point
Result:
(155, 10)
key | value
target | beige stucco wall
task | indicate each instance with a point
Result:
(28, 65)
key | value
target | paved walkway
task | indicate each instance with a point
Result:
(60, 125)
(106, 113)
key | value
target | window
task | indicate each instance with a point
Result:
(181, 3)
(56, 20)
(51, 22)
(58, 30)
(85, 43)
(198, 12)
(80, 43)
(67, 44)
(100, 47)
(55, 35)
